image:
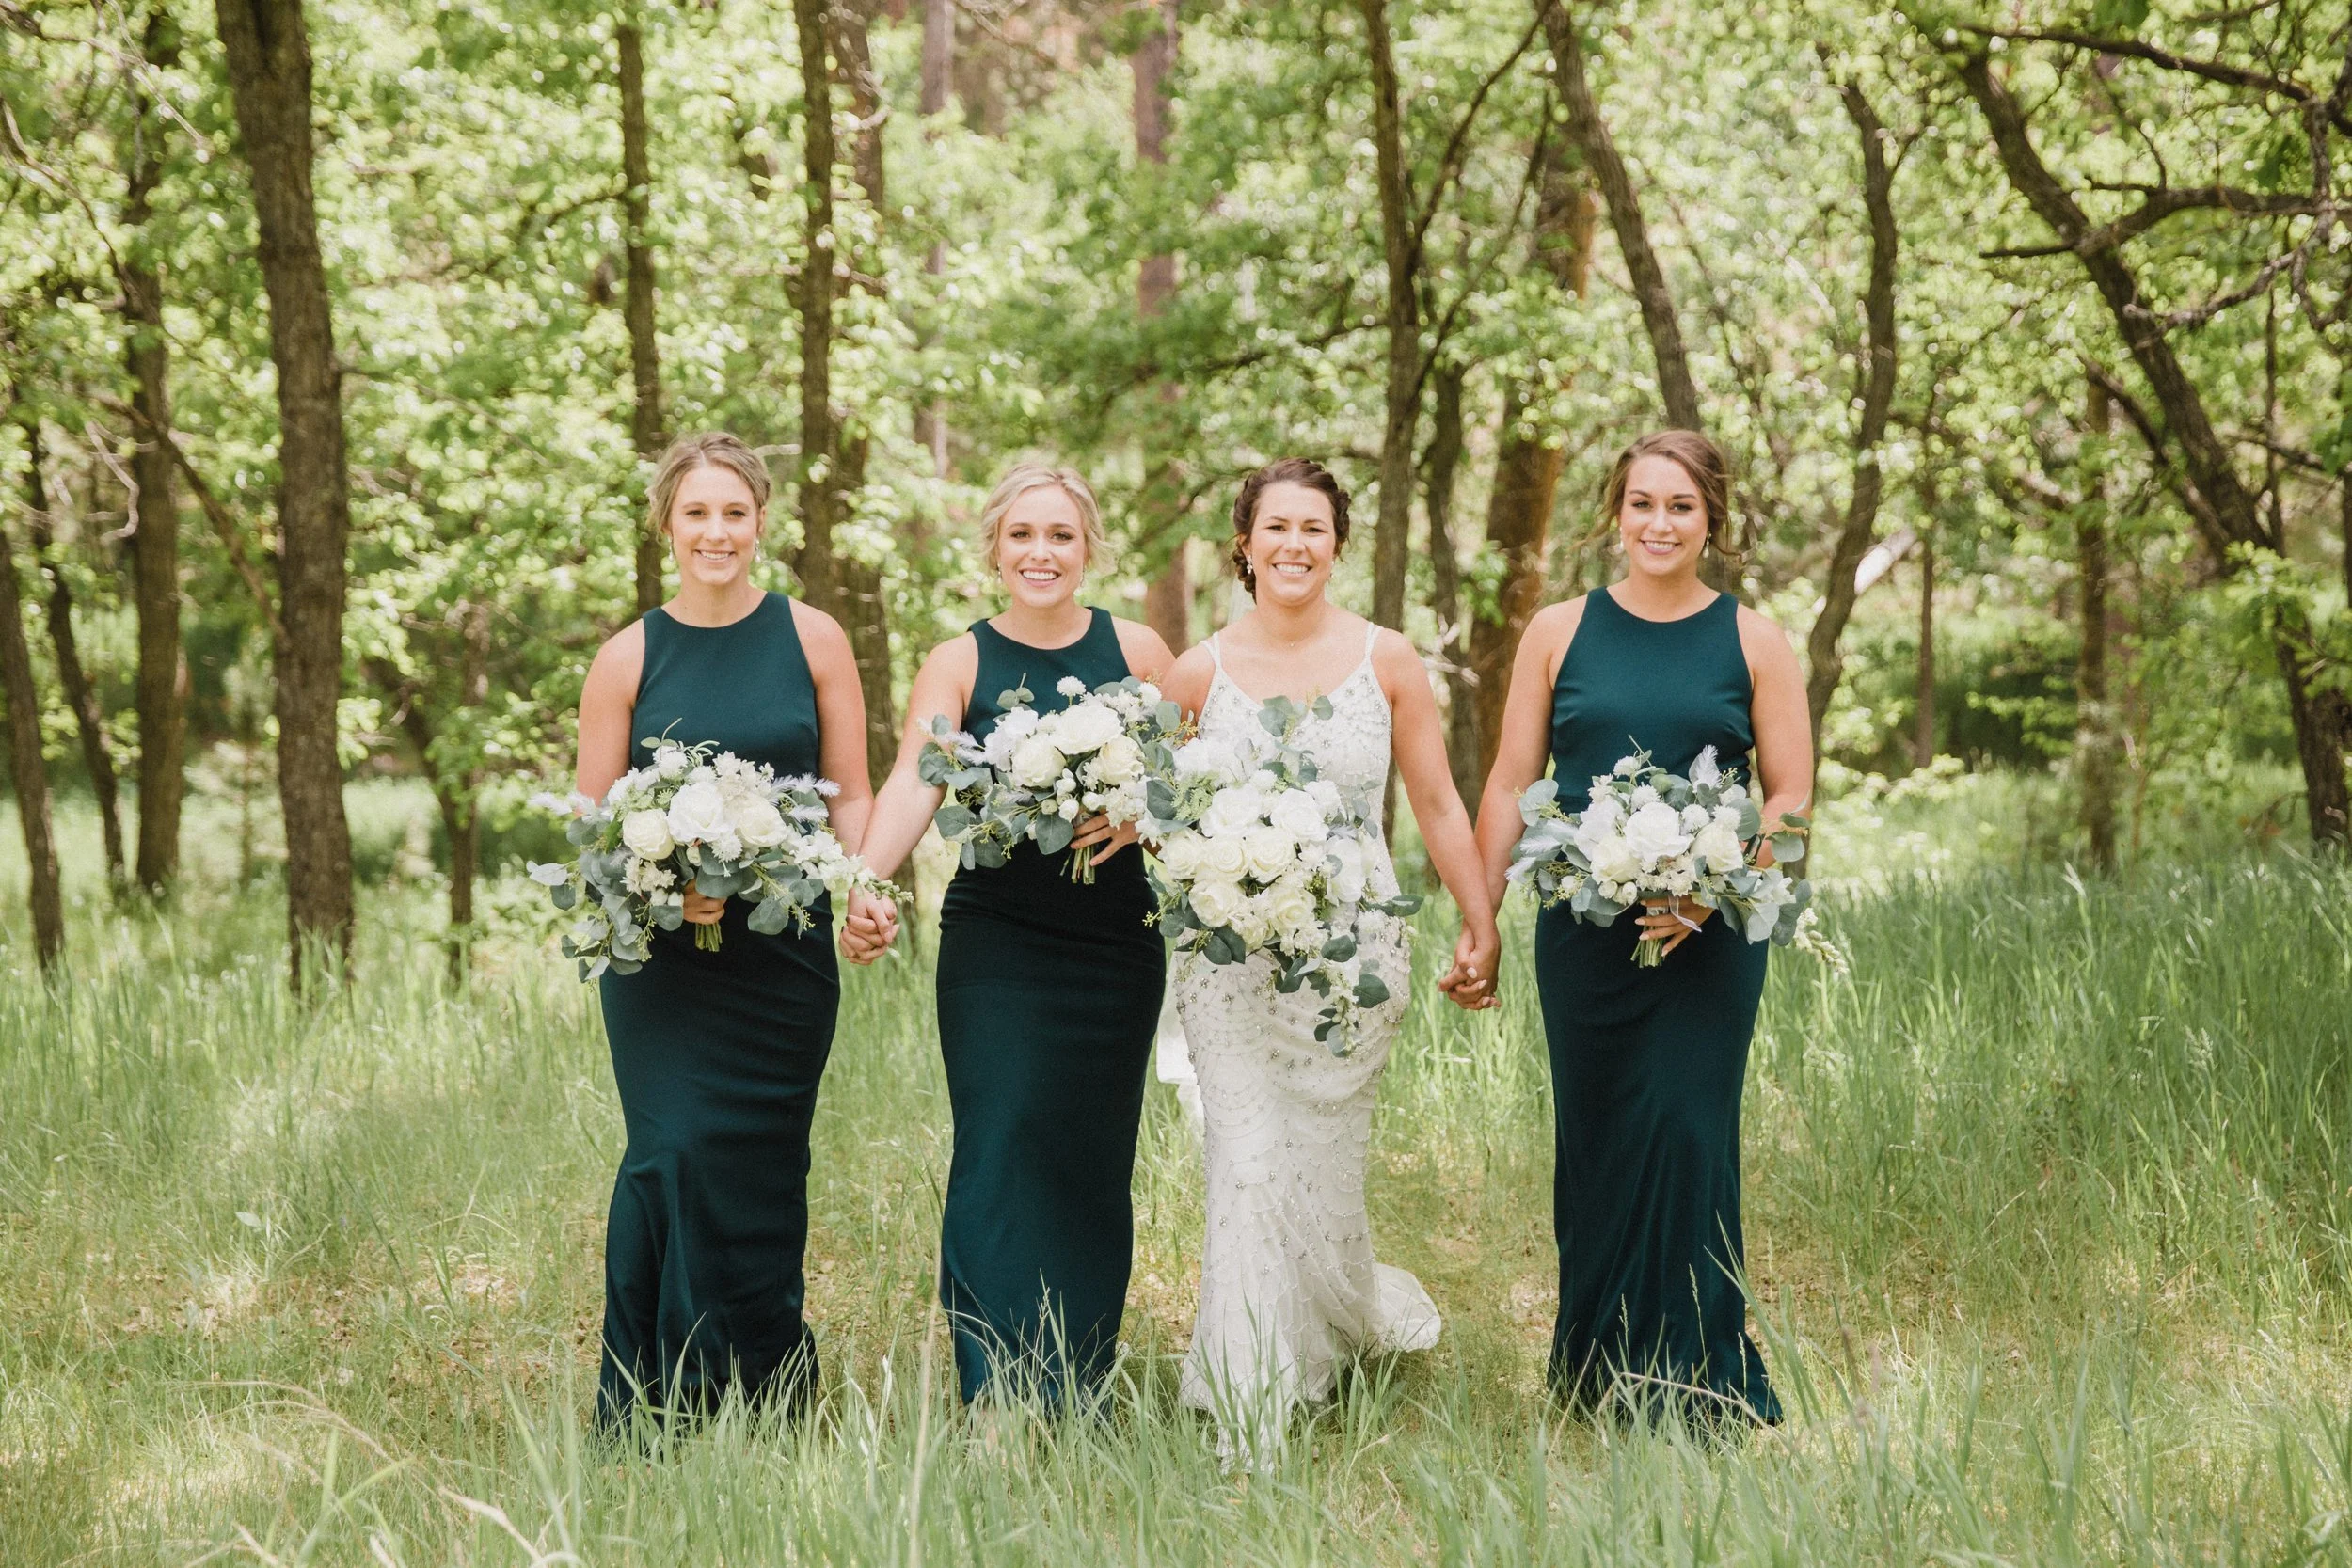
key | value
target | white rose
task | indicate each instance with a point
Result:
(1345, 857)
(1718, 847)
(1036, 763)
(1212, 757)
(1598, 824)
(1013, 727)
(1653, 833)
(1254, 926)
(1327, 797)
(1271, 852)
(1120, 760)
(1180, 857)
(670, 761)
(1234, 811)
(1298, 814)
(756, 821)
(1614, 861)
(1223, 858)
(1217, 903)
(647, 835)
(1086, 728)
(1291, 908)
(698, 813)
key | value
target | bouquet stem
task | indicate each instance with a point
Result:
(1081, 864)
(706, 937)
(1649, 951)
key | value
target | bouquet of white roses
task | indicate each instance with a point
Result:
(1039, 775)
(1257, 854)
(690, 819)
(1647, 834)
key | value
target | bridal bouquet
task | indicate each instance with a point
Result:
(1039, 775)
(691, 818)
(1647, 834)
(1257, 854)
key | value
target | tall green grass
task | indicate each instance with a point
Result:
(2048, 1226)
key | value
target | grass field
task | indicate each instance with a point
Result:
(2050, 1225)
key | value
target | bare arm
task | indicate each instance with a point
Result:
(841, 722)
(1781, 723)
(1145, 651)
(943, 688)
(1523, 749)
(608, 701)
(1419, 747)
(1187, 683)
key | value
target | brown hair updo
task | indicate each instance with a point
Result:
(714, 449)
(1698, 456)
(1283, 470)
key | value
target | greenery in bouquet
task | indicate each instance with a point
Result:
(693, 818)
(1647, 834)
(1259, 854)
(1039, 775)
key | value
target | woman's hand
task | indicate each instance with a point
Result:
(871, 926)
(1674, 923)
(1477, 956)
(1108, 840)
(702, 910)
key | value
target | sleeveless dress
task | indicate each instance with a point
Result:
(717, 1056)
(1288, 1287)
(1049, 990)
(1649, 1064)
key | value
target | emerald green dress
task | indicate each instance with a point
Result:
(1049, 993)
(1647, 1065)
(717, 1056)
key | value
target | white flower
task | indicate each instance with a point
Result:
(1253, 925)
(1344, 856)
(1146, 693)
(1119, 762)
(1643, 796)
(1693, 818)
(1070, 685)
(1705, 771)
(1728, 816)
(1217, 903)
(1223, 858)
(1013, 727)
(1264, 781)
(1036, 763)
(1653, 833)
(1327, 797)
(1290, 907)
(1598, 824)
(1772, 895)
(670, 761)
(1717, 847)
(1084, 728)
(1210, 757)
(1234, 811)
(1298, 814)
(647, 835)
(1627, 766)
(756, 821)
(698, 813)
(1271, 852)
(1180, 856)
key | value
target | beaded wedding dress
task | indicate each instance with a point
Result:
(1289, 1289)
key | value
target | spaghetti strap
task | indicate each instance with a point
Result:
(1371, 636)
(1215, 656)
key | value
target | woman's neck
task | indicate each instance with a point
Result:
(1292, 624)
(1054, 625)
(1656, 599)
(700, 604)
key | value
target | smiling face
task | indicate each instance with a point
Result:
(1041, 548)
(714, 527)
(1662, 521)
(1293, 543)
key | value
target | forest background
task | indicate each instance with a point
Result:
(336, 335)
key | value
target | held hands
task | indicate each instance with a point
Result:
(871, 926)
(1673, 922)
(1108, 841)
(1477, 956)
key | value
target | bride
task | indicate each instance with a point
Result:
(1288, 1284)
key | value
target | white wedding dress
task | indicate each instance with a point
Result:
(1289, 1288)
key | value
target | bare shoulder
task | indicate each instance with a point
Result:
(1761, 639)
(1187, 679)
(958, 656)
(1145, 650)
(1393, 656)
(820, 632)
(1550, 631)
(619, 665)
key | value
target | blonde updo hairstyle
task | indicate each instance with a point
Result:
(1019, 481)
(712, 449)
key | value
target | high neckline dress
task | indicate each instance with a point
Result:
(718, 1057)
(1049, 993)
(1649, 1064)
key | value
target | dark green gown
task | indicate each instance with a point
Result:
(1647, 1065)
(718, 1057)
(1049, 993)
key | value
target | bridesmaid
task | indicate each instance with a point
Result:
(1647, 1065)
(718, 1054)
(1049, 989)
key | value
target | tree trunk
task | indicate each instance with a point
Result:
(27, 777)
(268, 50)
(2226, 513)
(645, 349)
(1441, 471)
(1168, 602)
(1391, 546)
(864, 607)
(1675, 387)
(813, 564)
(162, 666)
(939, 78)
(83, 703)
(1923, 690)
(2095, 745)
(1826, 659)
